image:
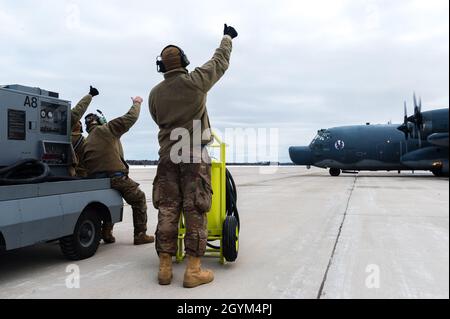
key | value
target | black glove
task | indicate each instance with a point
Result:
(230, 31)
(93, 92)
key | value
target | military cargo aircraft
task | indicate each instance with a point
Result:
(420, 143)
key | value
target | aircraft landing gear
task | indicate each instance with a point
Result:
(335, 172)
(439, 173)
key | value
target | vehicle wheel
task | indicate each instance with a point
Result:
(85, 240)
(2, 244)
(439, 173)
(230, 239)
(335, 172)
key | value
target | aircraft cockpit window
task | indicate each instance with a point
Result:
(322, 136)
(326, 135)
(314, 141)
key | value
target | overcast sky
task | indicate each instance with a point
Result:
(297, 65)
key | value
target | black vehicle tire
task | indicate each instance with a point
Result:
(335, 172)
(86, 238)
(439, 173)
(230, 239)
(2, 244)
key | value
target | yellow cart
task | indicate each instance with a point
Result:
(223, 219)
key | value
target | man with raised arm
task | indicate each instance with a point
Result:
(183, 181)
(103, 158)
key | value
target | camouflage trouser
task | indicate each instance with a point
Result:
(133, 195)
(187, 188)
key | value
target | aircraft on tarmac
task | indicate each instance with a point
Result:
(420, 143)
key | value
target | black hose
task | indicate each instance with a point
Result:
(212, 246)
(28, 171)
(231, 199)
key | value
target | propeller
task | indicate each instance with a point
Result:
(415, 130)
(405, 126)
(417, 119)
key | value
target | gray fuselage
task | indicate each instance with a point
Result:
(378, 147)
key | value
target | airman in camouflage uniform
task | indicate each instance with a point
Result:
(103, 158)
(77, 113)
(77, 168)
(182, 187)
(179, 103)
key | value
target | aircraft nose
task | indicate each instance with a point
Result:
(301, 155)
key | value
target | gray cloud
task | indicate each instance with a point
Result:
(297, 65)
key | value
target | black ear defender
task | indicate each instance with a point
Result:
(161, 68)
(102, 118)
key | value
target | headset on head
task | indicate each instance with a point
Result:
(101, 120)
(161, 68)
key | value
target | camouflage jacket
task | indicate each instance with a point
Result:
(181, 98)
(77, 139)
(79, 110)
(103, 151)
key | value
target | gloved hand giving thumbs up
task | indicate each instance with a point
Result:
(230, 31)
(93, 92)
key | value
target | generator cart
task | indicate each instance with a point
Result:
(39, 201)
(223, 219)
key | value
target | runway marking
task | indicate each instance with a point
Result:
(330, 262)
(258, 183)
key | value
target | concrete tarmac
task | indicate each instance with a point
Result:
(304, 235)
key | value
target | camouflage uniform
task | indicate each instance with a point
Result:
(77, 168)
(77, 137)
(176, 103)
(187, 188)
(133, 195)
(103, 157)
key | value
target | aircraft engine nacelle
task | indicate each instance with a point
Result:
(439, 139)
(429, 158)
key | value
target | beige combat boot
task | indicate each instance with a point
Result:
(143, 239)
(165, 274)
(194, 275)
(107, 233)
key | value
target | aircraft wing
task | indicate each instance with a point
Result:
(439, 139)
